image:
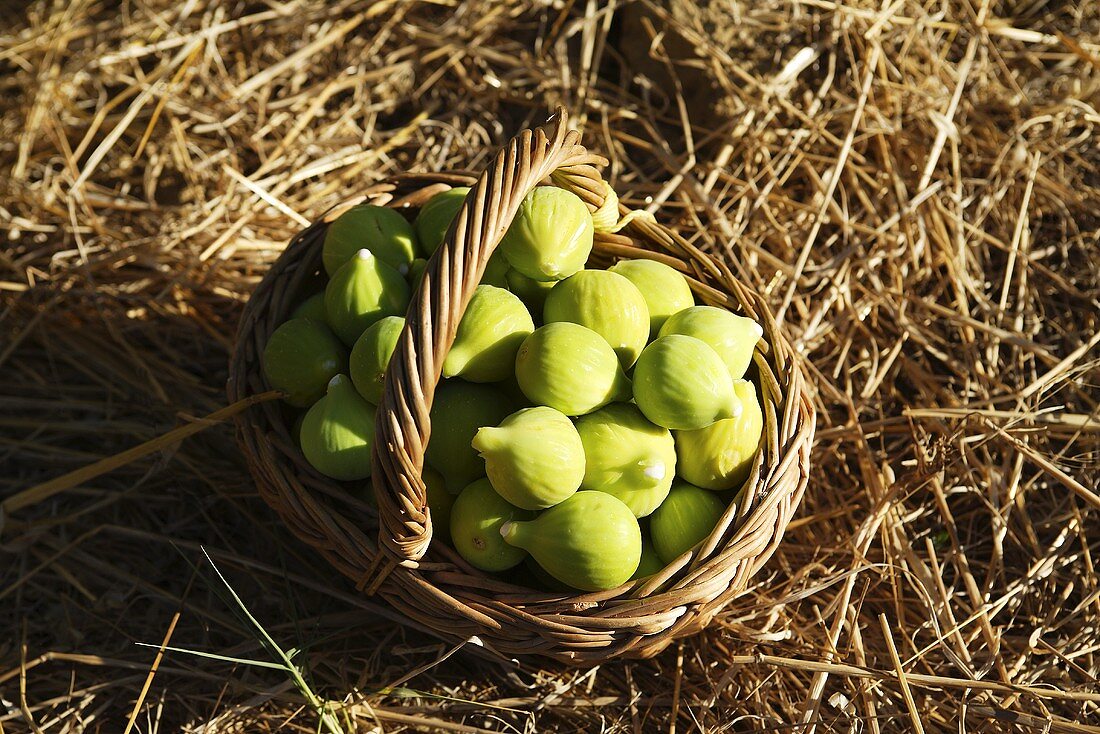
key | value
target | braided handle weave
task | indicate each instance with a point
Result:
(402, 426)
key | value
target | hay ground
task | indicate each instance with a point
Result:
(913, 184)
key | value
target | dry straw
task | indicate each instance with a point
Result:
(432, 584)
(946, 301)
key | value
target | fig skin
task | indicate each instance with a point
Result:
(496, 270)
(591, 541)
(680, 383)
(607, 303)
(371, 355)
(338, 431)
(435, 218)
(379, 229)
(720, 456)
(650, 563)
(311, 308)
(491, 331)
(416, 273)
(476, 519)
(300, 358)
(733, 337)
(570, 368)
(684, 519)
(534, 458)
(665, 290)
(531, 292)
(362, 291)
(627, 456)
(458, 409)
(440, 502)
(550, 237)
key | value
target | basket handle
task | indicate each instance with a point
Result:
(402, 426)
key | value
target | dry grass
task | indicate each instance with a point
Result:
(915, 185)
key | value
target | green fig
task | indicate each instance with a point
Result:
(458, 410)
(338, 431)
(371, 355)
(720, 455)
(627, 456)
(570, 368)
(416, 273)
(733, 337)
(531, 292)
(682, 384)
(650, 562)
(311, 308)
(383, 231)
(435, 218)
(665, 290)
(440, 502)
(512, 391)
(495, 323)
(300, 358)
(550, 237)
(476, 519)
(496, 270)
(362, 291)
(534, 458)
(591, 541)
(686, 517)
(608, 304)
(313, 282)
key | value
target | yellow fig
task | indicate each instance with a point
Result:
(311, 308)
(627, 456)
(495, 324)
(720, 455)
(733, 337)
(608, 304)
(458, 410)
(477, 515)
(371, 355)
(338, 431)
(682, 384)
(531, 292)
(570, 368)
(362, 291)
(435, 218)
(534, 458)
(300, 358)
(686, 517)
(383, 231)
(665, 290)
(590, 541)
(550, 237)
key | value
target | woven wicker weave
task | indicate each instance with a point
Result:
(388, 553)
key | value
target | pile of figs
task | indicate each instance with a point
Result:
(591, 426)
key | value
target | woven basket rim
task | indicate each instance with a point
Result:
(437, 589)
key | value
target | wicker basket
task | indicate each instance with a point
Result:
(387, 552)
